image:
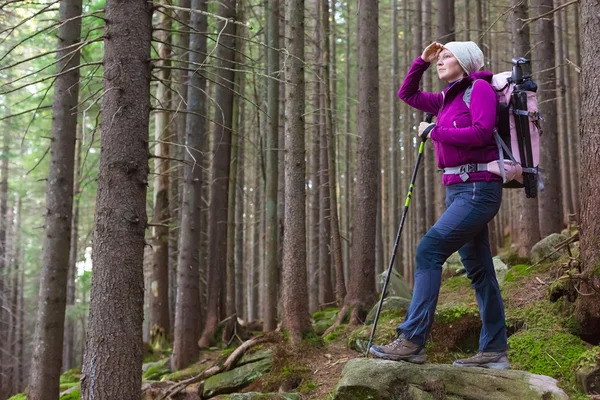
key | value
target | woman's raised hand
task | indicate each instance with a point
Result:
(431, 52)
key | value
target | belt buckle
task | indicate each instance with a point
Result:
(467, 168)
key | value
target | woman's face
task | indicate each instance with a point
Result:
(448, 68)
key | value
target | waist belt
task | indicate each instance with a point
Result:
(464, 170)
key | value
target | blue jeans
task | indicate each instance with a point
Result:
(462, 227)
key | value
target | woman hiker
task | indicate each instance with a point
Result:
(463, 138)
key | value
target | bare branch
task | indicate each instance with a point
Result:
(527, 21)
(227, 20)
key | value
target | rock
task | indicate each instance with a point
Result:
(392, 303)
(364, 378)
(259, 396)
(501, 270)
(588, 380)
(546, 246)
(324, 319)
(158, 391)
(237, 378)
(453, 263)
(397, 286)
(254, 357)
(155, 370)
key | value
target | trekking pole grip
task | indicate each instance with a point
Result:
(428, 117)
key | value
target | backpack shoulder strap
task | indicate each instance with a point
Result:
(467, 95)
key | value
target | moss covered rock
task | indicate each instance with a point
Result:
(192, 370)
(386, 380)
(552, 353)
(324, 319)
(155, 370)
(390, 304)
(397, 286)
(234, 380)
(259, 396)
(546, 246)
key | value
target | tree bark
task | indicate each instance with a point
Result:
(429, 162)
(394, 166)
(48, 339)
(361, 290)
(561, 90)
(419, 199)
(69, 335)
(4, 314)
(114, 340)
(240, 210)
(159, 298)
(186, 332)
(348, 148)
(272, 170)
(217, 248)
(315, 191)
(550, 211)
(178, 102)
(570, 95)
(295, 315)
(527, 210)
(588, 306)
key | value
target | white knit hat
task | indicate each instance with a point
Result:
(468, 55)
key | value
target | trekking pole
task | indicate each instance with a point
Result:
(428, 118)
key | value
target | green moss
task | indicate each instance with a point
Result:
(65, 386)
(74, 395)
(311, 338)
(551, 353)
(185, 373)
(542, 314)
(457, 282)
(306, 386)
(385, 332)
(70, 376)
(157, 371)
(328, 313)
(19, 396)
(337, 332)
(589, 358)
(449, 313)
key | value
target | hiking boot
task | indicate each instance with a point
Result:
(492, 360)
(401, 349)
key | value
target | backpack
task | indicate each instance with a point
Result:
(517, 131)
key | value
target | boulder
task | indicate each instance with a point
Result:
(234, 380)
(324, 319)
(153, 371)
(546, 246)
(454, 263)
(501, 270)
(259, 396)
(393, 303)
(397, 286)
(588, 380)
(364, 378)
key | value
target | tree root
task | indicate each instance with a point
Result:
(340, 320)
(230, 363)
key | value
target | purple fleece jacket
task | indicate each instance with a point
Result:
(461, 135)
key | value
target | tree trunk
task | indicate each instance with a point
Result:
(178, 102)
(429, 162)
(348, 147)
(280, 154)
(272, 170)
(588, 306)
(295, 315)
(217, 248)
(159, 298)
(543, 66)
(570, 95)
(10, 295)
(527, 209)
(48, 340)
(467, 20)
(394, 166)
(230, 303)
(314, 199)
(561, 90)
(18, 303)
(4, 314)
(186, 332)
(114, 340)
(419, 199)
(69, 339)
(361, 290)
(240, 210)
